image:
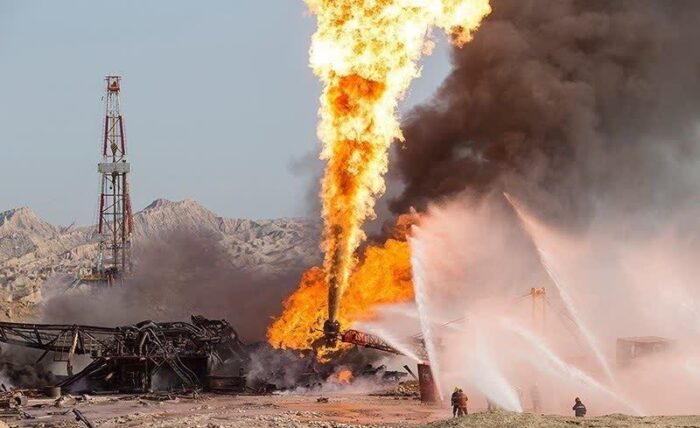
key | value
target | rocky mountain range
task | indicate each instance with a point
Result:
(33, 251)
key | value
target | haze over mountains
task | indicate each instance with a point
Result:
(33, 251)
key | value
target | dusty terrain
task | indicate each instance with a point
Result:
(300, 411)
(237, 411)
(515, 420)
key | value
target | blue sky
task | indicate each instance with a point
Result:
(218, 99)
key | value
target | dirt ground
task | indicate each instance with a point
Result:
(298, 411)
(503, 419)
(213, 411)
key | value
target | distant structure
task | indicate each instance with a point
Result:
(115, 222)
(539, 308)
(632, 349)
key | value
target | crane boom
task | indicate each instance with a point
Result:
(367, 340)
(58, 337)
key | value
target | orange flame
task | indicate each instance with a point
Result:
(382, 277)
(342, 377)
(366, 53)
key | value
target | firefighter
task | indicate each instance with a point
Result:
(462, 398)
(579, 408)
(455, 402)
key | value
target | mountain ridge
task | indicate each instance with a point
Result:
(33, 251)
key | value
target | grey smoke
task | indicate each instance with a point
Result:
(574, 104)
(283, 368)
(19, 368)
(309, 167)
(288, 369)
(183, 273)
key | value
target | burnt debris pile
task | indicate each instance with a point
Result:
(134, 358)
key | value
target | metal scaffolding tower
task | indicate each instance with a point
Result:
(115, 222)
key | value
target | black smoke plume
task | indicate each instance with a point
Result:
(576, 104)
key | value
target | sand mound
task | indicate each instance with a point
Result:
(502, 419)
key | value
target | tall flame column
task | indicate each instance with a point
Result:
(366, 53)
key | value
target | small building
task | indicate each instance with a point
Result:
(629, 349)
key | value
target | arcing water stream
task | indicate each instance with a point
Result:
(473, 263)
(563, 293)
(564, 368)
(421, 297)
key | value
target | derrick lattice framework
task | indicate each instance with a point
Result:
(115, 221)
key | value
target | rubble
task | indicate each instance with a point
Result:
(65, 401)
(410, 388)
(13, 404)
(12, 399)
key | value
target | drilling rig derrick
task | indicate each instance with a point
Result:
(114, 221)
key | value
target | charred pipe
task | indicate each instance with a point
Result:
(81, 418)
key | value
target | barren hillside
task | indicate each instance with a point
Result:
(33, 251)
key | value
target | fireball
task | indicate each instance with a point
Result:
(382, 277)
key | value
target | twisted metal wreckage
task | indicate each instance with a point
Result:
(126, 359)
(164, 355)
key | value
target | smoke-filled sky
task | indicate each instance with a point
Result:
(220, 105)
(593, 102)
(581, 106)
(588, 112)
